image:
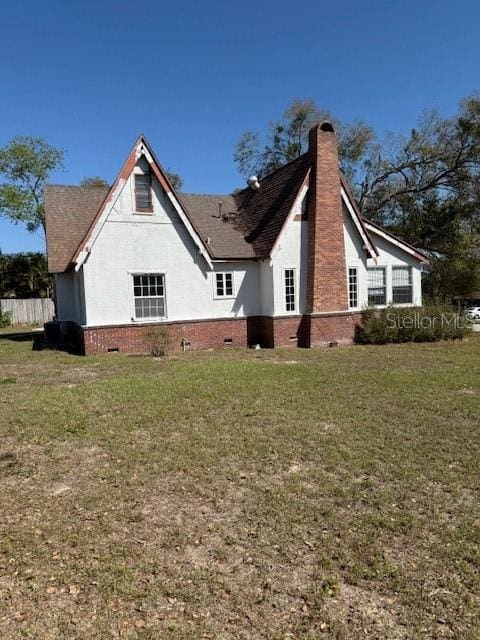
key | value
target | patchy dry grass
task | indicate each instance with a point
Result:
(274, 494)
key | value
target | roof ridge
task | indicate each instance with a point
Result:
(271, 173)
(74, 186)
(301, 156)
(206, 195)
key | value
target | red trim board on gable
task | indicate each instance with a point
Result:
(352, 207)
(141, 148)
(401, 244)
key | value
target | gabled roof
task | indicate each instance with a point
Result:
(141, 149)
(401, 244)
(243, 226)
(69, 213)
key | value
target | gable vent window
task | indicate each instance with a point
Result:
(402, 289)
(377, 291)
(289, 275)
(353, 287)
(143, 193)
(224, 285)
(149, 296)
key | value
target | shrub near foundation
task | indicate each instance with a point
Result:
(157, 340)
(430, 323)
(4, 320)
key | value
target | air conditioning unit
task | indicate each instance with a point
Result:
(57, 332)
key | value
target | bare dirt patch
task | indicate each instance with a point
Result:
(356, 608)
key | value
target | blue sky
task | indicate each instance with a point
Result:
(90, 75)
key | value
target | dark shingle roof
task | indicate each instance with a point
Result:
(69, 211)
(263, 212)
(247, 227)
(224, 230)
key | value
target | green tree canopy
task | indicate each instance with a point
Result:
(439, 159)
(25, 165)
(175, 179)
(425, 186)
(95, 182)
(24, 275)
(287, 138)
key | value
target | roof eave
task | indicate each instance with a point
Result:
(236, 258)
(390, 237)
(356, 216)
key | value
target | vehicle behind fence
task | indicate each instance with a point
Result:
(28, 311)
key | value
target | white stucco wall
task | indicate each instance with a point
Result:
(159, 243)
(101, 293)
(266, 288)
(355, 256)
(290, 252)
(390, 256)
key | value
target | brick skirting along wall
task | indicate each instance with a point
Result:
(302, 331)
(315, 330)
(197, 334)
(339, 328)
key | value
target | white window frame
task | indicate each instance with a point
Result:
(145, 272)
(223, 296)
(284, 289)
(410, 277)
(385, 285)
(350, 306)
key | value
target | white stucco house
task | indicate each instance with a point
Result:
(288, 260)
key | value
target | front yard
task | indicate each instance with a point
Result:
(275, 494)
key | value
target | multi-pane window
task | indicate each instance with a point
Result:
(289, 289)
(224, 285)
(353, 287)
(377, 291)
(149, 296)
(143, 192)
(402, 289)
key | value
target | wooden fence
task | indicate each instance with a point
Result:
(27, 311)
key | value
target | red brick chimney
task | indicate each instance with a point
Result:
(327, 273)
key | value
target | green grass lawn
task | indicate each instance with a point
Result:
(279, 494)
